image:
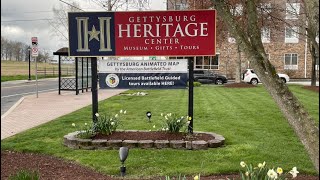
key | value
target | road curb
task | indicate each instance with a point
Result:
(27, 81)
(12, 107)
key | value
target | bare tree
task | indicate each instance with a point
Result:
(115, 5)
(312, 27)
(302, 123)
(4, 43)
(59, 23)
(18, 51)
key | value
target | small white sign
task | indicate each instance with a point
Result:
(34, 48)
(143, 66)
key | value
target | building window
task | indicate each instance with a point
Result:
(292, 10)
(237, 10)
(181, 6)
(291, 61)
(265, 35)
(292, 34)
(265, 9)
(207, 62)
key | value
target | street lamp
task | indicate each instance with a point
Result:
(123, 154)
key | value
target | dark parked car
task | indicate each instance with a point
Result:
(205, 76)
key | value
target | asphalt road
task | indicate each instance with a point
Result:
(11, 92)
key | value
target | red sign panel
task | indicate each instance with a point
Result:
(146, 33)
(166, 33)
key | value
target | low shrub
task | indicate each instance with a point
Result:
(25, 175)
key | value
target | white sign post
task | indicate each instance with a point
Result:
(35, 53)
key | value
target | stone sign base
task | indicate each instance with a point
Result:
(71, 141)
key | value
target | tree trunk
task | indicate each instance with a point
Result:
(313, 68)
(302, 123)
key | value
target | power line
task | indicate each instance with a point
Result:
(29, 12)
(71, 5)
(26, 20)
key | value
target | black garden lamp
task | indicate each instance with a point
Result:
(123, 154)
(148, 114)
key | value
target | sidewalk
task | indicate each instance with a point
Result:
(33, 111)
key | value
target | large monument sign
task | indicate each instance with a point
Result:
(147, 33)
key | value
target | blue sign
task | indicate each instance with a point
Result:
(92, 34)
(141, 74)
(143, 81)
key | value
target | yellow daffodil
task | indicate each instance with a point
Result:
(73, 124)
(242, 164)
(196, 178)
(279, 170)
(261, 165)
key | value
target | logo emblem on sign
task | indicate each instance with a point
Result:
(112, 80)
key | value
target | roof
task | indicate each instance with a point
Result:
(62, 52)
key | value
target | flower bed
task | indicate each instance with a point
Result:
(212, 140)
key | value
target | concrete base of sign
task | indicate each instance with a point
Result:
(71, 141)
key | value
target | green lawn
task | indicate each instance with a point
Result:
(248, 118)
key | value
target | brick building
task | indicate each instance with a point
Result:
(286, 46)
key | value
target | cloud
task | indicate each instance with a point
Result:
(38, 11)
(12, 31)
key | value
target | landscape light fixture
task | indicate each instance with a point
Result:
(123, 154)
(148, 114)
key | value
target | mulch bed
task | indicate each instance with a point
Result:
(154, 135)
(247, 85)
(239, 85)
(312, 88)
(51, 168)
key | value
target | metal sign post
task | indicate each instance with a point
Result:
(35, 53)
(35, 58)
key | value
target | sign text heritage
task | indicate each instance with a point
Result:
(147, 33)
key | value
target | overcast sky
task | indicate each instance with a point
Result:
(33, 12)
